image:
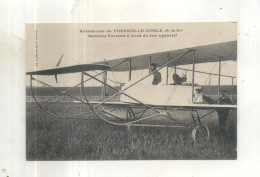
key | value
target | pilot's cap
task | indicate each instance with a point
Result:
(224, 91)
(153, 65)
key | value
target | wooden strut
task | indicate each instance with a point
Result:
(114, 123)
(61, 117)
(202, 72)
(131, 85)
(192, 116)
(193, 69)
(65, 91)
(167, 70)
(128, 124)
(200, 124)
(92, 107)
(104, 87)
(142, 113)
(150, 62)
(219, 72)
(120, 92)
(199, 117)
(130, 70)
(209, 83)
(176, 58)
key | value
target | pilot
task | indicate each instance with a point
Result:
(224, 99)
(178, 80)
(156, 75)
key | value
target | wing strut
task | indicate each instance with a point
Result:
(56, 78)
(130, 70)
(193, 69)
(219, 72)
(150, 61)
(167, 70)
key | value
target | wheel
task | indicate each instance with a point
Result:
(200, 134)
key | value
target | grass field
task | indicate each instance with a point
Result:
(49, 138)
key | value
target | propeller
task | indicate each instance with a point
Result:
(57, 65)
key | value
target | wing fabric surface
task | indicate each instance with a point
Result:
(206, 53)
(203, 54)
(70, 69)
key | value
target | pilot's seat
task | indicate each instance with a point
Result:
(178, 80)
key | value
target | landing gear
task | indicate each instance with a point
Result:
(130, 116)
(200, 134)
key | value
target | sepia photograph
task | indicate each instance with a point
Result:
(129, 88)
(131, 91)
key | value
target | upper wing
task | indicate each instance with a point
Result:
(70, 69)
(206, 53)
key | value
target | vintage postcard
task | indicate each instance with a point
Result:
(131, 91)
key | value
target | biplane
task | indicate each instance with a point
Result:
(160, 99)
